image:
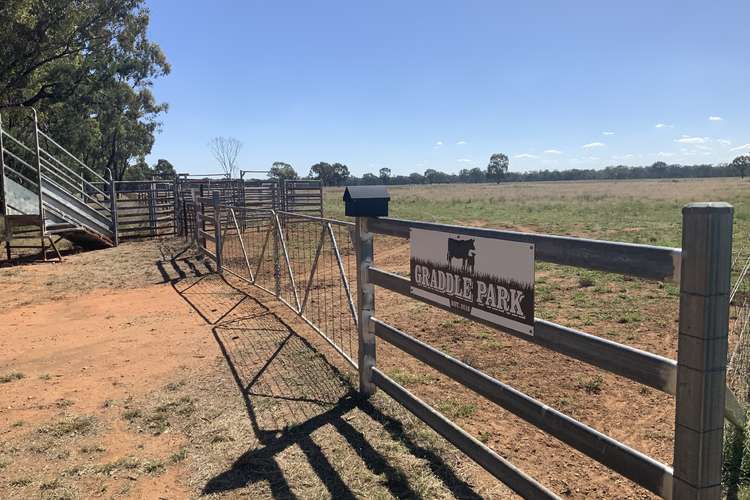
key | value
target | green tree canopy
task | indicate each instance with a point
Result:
(741, 164)
(140, 171)
(88, 67)
(385, 174)
(330, 175)
(281, 170)
(497, 167)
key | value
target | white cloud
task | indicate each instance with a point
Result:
(464, 160)
(526, 155)
(592, 158)
(725, 142)
(691, 140)
(624, 157)
(438, 143)
(664, 154)
(593, 145)
(664, 125)
(715, 118)
(741, 148)
(553, 151)
(460, 143)
(608, 133)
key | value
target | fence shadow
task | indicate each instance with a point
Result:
(290, 391)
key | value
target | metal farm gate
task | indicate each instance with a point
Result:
(324, 271)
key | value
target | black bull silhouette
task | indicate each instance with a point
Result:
(461, 249)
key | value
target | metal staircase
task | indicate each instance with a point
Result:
(46, 191)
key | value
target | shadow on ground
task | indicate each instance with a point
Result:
(291, 391)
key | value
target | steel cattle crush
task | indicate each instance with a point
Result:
(324, 271)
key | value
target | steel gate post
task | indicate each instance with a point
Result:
(113, 207)
(42, 223)
(276, 265)
(216, 199)
(365, 307)
(702, 350)
(196, 217)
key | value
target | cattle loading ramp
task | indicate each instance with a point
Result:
(48, 192)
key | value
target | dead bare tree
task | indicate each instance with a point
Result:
(226, 150)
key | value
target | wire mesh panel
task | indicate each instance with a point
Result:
(307, 262)
(738, 370)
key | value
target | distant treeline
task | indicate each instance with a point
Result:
(659, 170)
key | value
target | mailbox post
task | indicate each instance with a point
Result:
(364, 202)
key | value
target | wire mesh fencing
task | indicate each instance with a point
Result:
(308, 262)
(738, 369)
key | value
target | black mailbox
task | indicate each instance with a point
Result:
(366, 201)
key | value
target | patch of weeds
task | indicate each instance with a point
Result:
(644, 391)
(484, 437)
(108, 403)
(50, 485)
(41, 447)
(179, 456)
(127, 463)
(155, 467)
(64, 403)
(70, 426)
(586, 281)
(131, 414)
(45, 376)
(220, 438)
(408, 378)
(4, 464)
(592, 386)
(19, 482)
(630, 317)
(10, 377)
(173, 386)
(456, 409)
(17, 423)
(93, 448)
(157, 423)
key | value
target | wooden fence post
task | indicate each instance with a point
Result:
(702, 350)
(216, 198)
(365, 307)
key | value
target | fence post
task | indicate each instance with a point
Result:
(216, 199)
(276, 264)
(196, 234)
(42, 221)
(365, 307)
(113, 207)
(702, 350)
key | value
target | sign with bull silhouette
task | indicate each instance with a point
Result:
(481, 277)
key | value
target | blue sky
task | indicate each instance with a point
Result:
(412, 85)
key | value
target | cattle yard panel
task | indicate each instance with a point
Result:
(324, 271)
(145, 209)
(157, 208)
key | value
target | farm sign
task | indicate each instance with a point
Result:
(485, 278)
